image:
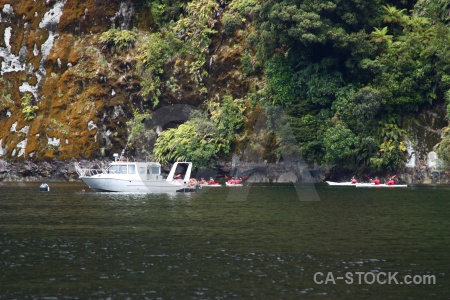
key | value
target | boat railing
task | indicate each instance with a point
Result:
(85, 172)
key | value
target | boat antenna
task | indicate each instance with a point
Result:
(123, 151)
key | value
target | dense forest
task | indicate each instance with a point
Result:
(347, 74)
(334, 82)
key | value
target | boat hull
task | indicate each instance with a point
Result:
(123, 185)
(233, 184)
(342, 183)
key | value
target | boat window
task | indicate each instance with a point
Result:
(131, 169)
(123, 169)
(155, 170)
(141, 170)
(114, 169)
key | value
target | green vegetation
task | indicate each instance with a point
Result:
(201, 139)
(28, 109)
(346, 74)
(5, 100)
(121, 39)
(156, 49)
(140, 136)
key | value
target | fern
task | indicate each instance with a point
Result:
(28, 109)
(121, 39)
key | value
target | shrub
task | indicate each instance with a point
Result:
(28, 109)
(122, 39)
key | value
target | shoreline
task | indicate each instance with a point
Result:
(282, 172)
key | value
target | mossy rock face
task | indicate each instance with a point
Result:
(78, 86)
(423, 130)
(88, 17)
(74, 87)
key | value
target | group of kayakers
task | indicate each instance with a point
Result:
(211, 181)
(234, 181)
(376, 180)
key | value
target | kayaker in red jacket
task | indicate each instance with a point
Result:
(212, 181)
(391, 181)
(376, 181)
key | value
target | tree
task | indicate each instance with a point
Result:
(437, 10)
(280, 81)
(339, 143)
(381, 36)
(391, 14)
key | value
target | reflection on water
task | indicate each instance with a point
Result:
(69, 244)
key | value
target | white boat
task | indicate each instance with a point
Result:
(341, 183)
(124, 176)
(365, 184)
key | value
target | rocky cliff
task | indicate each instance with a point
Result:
(82, 93)
(51, 50)
(64, 96)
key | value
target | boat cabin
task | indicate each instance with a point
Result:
(145, 170)
(151, 171)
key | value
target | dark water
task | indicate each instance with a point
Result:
(67, 244)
